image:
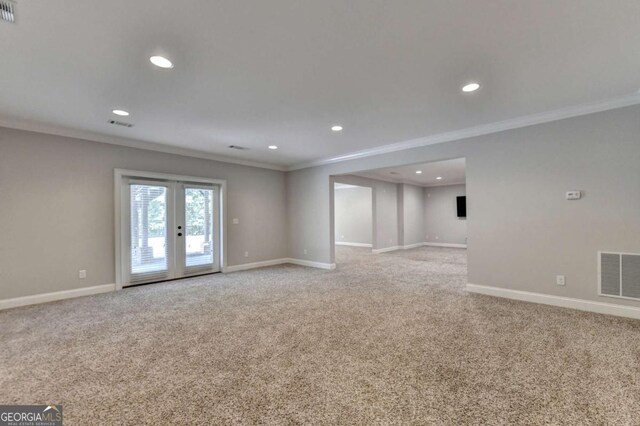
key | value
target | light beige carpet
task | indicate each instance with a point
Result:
(386, 339)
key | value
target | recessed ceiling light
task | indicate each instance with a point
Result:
(336, 128)
(419, 172)
(120, 112)
(161, 61)
(273, 147)
(471, 87)
(439, 178)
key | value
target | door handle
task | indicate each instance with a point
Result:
(179, 234)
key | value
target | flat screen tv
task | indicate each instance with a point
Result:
(461, 204)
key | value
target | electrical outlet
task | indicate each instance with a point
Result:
(236, 221)
(305, 251)
(246, 254)
(82, 274)
(560, 280)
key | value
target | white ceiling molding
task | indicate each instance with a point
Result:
(131, 143)
(338, 185)
(484, 129)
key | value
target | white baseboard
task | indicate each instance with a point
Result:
(253, 265)
(445, 245)
(410, 246)
(342, 243)
(312, 264)
(57, 295)
(564, 302)
(273, 262)
(385, 249)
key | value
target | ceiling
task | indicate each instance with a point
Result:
(452, 172)
(282, 72)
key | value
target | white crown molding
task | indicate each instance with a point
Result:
(438, 185)
(484, 129)
(560, 301)
(57, 295)
(131, 143)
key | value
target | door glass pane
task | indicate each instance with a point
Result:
(148, 229)
(199, 231)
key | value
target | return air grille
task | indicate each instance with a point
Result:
(7, 11)
(619, 275)
(120, 123)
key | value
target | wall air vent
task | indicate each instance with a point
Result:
(120, 123)
(7, 11)
(619, 275)
(240, 148)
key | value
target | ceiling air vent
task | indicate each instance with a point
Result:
(240, 148)
(7, 11)
(619, 275)
(120, 123)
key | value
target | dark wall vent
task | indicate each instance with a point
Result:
(120, 123)
(619, 275)
(7, 11)
(241, 148)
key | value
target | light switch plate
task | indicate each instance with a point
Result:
(574, 195)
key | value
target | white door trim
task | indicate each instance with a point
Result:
(120, 232)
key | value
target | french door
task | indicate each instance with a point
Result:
(172, 229)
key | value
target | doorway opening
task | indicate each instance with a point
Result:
(412, 206)
(353, 218)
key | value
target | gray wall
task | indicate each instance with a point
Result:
(57, 209)
(521, 230)
(413, 209)
(385, 212)
(442, 225)
(353, 215)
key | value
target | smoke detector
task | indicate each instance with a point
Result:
(7, 11)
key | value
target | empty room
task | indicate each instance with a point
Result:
(320, 212)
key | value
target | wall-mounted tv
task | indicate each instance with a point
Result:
(461, 204)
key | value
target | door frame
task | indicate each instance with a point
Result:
(121, 175)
